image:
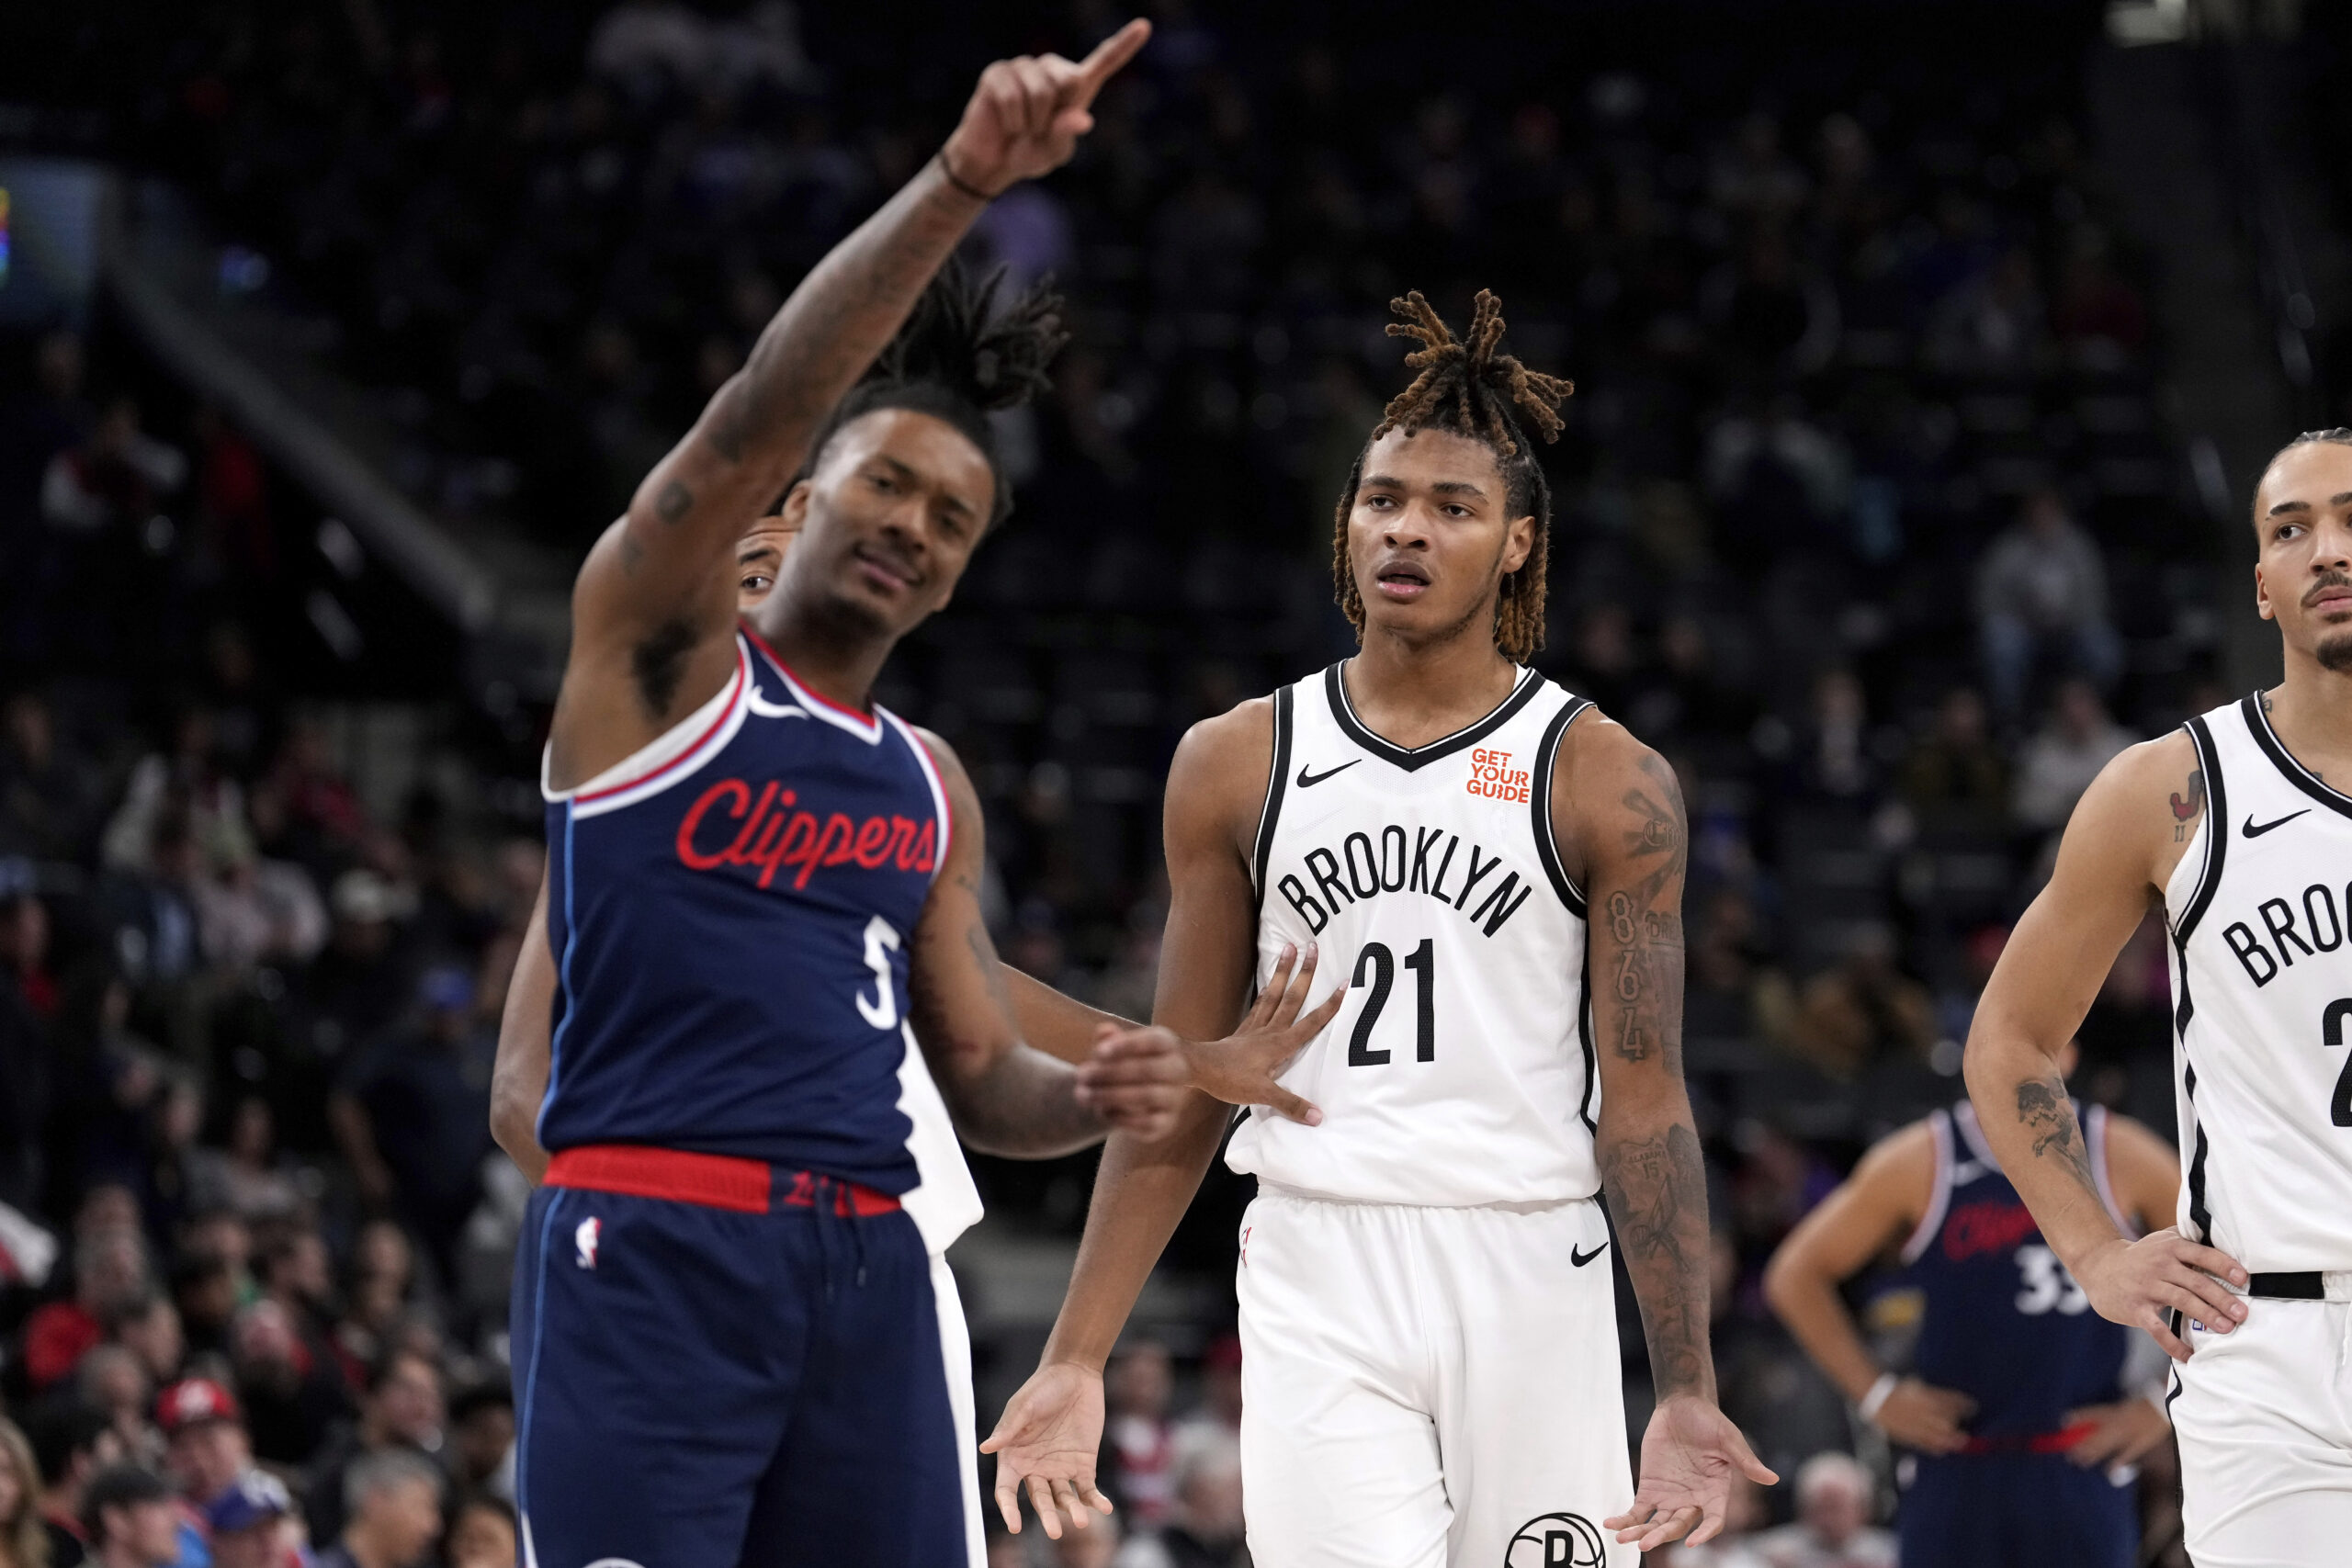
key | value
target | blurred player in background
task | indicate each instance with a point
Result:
(2231, 825)
(2016, 1404)
(1429, 1364)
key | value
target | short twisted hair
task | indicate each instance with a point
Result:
(1462, 386)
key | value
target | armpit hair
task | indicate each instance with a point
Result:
(659, 662)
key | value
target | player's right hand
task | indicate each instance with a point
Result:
(1047, 1438)
(2142, 1283)
(1921, 1415)
(1026, 115)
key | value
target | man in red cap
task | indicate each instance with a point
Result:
(207, 1453)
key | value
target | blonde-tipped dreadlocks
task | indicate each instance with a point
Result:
(1464, 386)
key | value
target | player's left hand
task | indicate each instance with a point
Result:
(1136, 1081)
(1690, 1455)
(2123, 1433)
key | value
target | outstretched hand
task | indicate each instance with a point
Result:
(1691, 1456)
(1241, 1068)
(1047, 1438)
(1027, 114)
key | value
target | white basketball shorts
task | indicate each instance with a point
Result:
(2264, 1414)
(1424, 1386)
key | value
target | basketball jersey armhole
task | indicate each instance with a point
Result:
(1931, 1220)
(1277, 779)
(1547, 843)
(668, 757)
(930, 776)
(2212, 836)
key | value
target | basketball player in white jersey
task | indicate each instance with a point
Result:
(1429, 1369)
(2233, 826)
(945, 1204)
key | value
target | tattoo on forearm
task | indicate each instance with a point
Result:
(2186, 807)
(1645, 923)
(1657, 1193)
(2044, 1110)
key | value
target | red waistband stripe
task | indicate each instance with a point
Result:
(712, 1181)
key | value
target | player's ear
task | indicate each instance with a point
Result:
(2262, 595)
(1518, 542)
(795, 510)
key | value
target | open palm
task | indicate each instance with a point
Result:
(1047, 1438)
(1690, 1455)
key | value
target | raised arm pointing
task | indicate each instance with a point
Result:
(654, 607)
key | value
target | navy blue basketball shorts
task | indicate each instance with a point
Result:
(2017, 1510)
(717, 1368)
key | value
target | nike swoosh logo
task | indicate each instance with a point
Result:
(1308, 781)
(1579, 1257)
(2254, 832)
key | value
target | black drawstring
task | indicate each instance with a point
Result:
(836, 1204)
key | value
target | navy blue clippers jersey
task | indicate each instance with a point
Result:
(2004, 1322)
(729, 912)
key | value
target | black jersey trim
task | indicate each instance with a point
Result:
(1275, 784)
(1547, 846)
(1411, 757)
(2303, 778)
(2217, 839)
(1584, 1039)
(2200, 1212)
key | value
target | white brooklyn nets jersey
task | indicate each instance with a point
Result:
(2260, 909)
(1458, 1071)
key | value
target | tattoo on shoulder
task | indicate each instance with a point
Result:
(2044, 1110)
(2184, 808)
(672, 505)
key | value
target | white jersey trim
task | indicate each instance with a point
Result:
(673, 754)
(1939, 1197)
(931, 776)
(868, 728)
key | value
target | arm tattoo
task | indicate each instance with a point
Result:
(1645, 923)
(2185, 808)
(672, 505)
(1657, 1194)
(2044, 1110)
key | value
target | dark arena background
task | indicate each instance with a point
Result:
(1925, 355)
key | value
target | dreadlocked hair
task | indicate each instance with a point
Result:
(960, 357)
(1462, 386)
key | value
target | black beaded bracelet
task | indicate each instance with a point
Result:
(966, 188)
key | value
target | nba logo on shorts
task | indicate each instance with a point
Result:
(585, 1240)
(1556, 1540)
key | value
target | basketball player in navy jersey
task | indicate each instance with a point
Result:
(724, 1321)
(1429, 1372)
(2238, 826)
(945, 1204)
(2016, 1405)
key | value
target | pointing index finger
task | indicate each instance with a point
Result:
(1109, 55)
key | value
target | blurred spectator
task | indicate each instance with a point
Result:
(481, 1438)
(24, 1538)
(26, 1065)
(1832, 1528)
(393, 1501)
(1138, 1433)
(71, 1442)
(51, 793)
(206, 1290)
(1861, 1011)
(402, 1414)
(111, 480)
(208, 1451)
(245, 1177)
(131, 1518)
(2042, 593)
(110, 1269)
(483, 1534)
(294, 1397)
(2066, 755)
(1220, 1389)
(1955, 773)
(148, 1326)
(1994, 324)
(412, 1114)
(113, 1381)
(246, 1525)
(362, 981)
(1204, 1526)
